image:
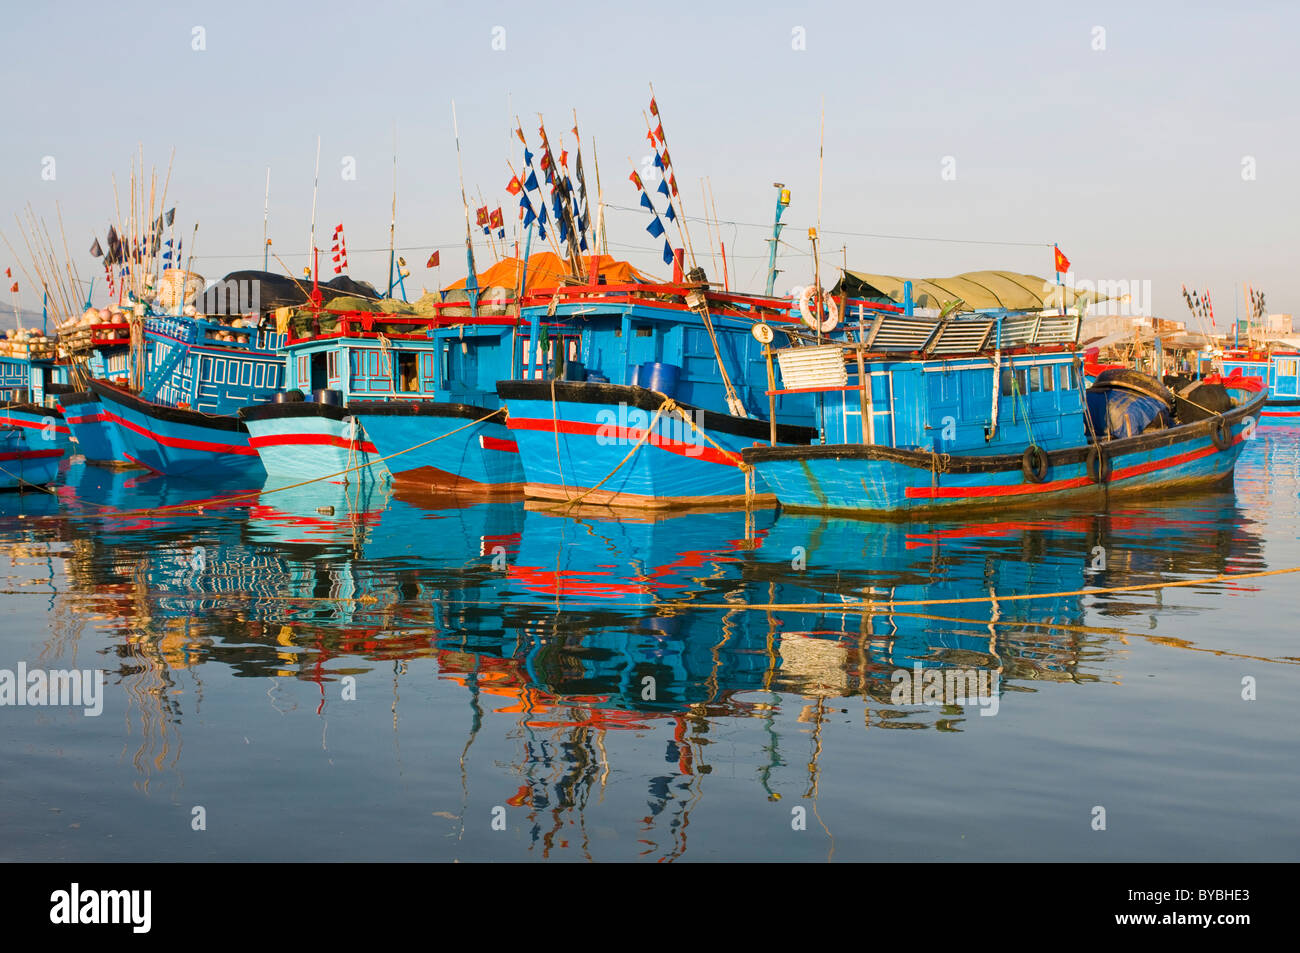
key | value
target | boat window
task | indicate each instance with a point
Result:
(1021, 383)
(1034, 381)
(1288, 367)
(334, 364)
(1005, 382)
(1049, 377)
(302, 370)
(644, 332)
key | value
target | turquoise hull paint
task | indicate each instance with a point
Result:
(316, 448)
(443, 446)
(847, 479)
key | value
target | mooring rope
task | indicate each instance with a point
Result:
(220, 500)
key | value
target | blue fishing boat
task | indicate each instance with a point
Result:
(455, 437)
(95, 347)
(986, 411)
(342, 358)
(29, 384)
(198, 371)
(22, 464)
(1279, 373)
(652, 394)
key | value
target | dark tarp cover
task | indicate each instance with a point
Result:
(1119, 413)
(277, 291)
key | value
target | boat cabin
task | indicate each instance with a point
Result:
(976, 384)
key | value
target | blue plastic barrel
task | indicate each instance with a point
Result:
(660, 377)
(574, 371)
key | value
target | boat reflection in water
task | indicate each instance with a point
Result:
(583, 641)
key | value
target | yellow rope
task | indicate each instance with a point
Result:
(871, 605)
(669, 404)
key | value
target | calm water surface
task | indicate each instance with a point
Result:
(334, 674)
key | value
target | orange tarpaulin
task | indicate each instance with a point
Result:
(548, 270)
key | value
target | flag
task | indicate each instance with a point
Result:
(655, 228)
(650, 138)
(564, 158)
(171, 215)
(654, 107)
(501, 233)
(659, 162)
(520, 133)
(515, 186)
(1062, 263)
(95, 250)
(646, 203)
(668, 254)
(483, 215)
(670, 214)
(528, 158)
(496, 219)
(433, 259)
(663, 187)
(531, 184)
(636, 179)
(14, 288)
(672, 181)
(9, 273)
(546, 161)
(339, 251)
(659, 131)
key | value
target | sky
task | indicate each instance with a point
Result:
(1152, 142)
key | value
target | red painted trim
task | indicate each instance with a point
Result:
(1280, 413)
(31, 454)
(625, 436)
(495, 443)
(95, 418)
(956, 492)
(311, 439)
(20, 422)
(179, 442)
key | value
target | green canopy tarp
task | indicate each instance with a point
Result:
(976, 290)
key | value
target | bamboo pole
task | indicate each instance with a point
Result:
(713, 255)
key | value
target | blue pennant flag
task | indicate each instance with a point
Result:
(501, 233)
(529, 215)
(668, 254)
(670, 214)
(531, 182)
(655, 228)
(528, 158)
(646, 203)
(541, 228)
(582, 242)
(663, 187)
(564, 230)
(556, 207)
(659, 162)
(541, 214)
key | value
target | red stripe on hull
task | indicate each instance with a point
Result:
(625, 436)
(956, 492)
(311, 439)
(495, 443)
(179, 442)
(31, 425)
(31, 454)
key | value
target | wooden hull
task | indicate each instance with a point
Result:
(179, 442)
(580, 439)
(886, 482)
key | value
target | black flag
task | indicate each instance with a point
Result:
(95, 250)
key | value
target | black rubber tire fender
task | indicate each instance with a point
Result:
(1221, 434)
(1033, 463)
(1098, 465)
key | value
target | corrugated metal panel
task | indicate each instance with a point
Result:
(821, 366)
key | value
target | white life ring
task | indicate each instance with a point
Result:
(832, 309)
